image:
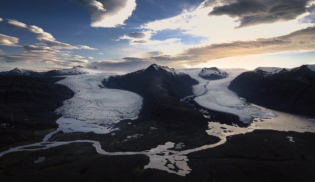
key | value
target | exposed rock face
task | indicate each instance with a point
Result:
(212, 73)
(287, 90)
(162, 88)
(27, 106)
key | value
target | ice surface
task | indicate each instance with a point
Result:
(97, 105)
(216, 96)
(199, 89)
(69, 125)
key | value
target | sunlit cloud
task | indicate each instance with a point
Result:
(60, 45)
(8, 41)
(108, 13)
(81, 61)
(16, 24)
(302, 40)
(1, 19)
(137, 37)
(219, 29)
(45, 38)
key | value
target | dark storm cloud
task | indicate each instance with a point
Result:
(253, 12)
(138, 35)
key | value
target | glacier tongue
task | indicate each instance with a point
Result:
(215, 95)
(95, 105)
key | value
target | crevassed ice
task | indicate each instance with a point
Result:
(218, 97)
(93, 104)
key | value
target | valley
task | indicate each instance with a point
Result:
(171, 140)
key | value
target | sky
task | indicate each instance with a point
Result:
(127, 35)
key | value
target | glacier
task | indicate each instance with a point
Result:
(215, 95)
(95, 104)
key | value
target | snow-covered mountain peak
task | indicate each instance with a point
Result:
(212, 73)
(164, 68)
(76, 70)
(270, 70)
(22, 72)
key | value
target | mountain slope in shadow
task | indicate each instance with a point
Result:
(290, 91)
(162, 88)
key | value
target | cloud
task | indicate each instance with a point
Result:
(8, 41)
(40, 33)
(1, 19)
(253, 12)
(108, 13)
(137, 35)
(78, 61)
(219, 29)
(45, 38)
(127, 65)
(60, 45)
(299, 40)
(16, 24)
(42, 54)
(36, 48)
(311, 17)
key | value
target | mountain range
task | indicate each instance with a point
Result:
(288, 90)
(77, 70)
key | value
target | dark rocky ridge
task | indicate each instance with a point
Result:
(162, 90)
(27, 108)
(289, 91)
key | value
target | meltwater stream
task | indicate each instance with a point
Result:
(90, 98)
